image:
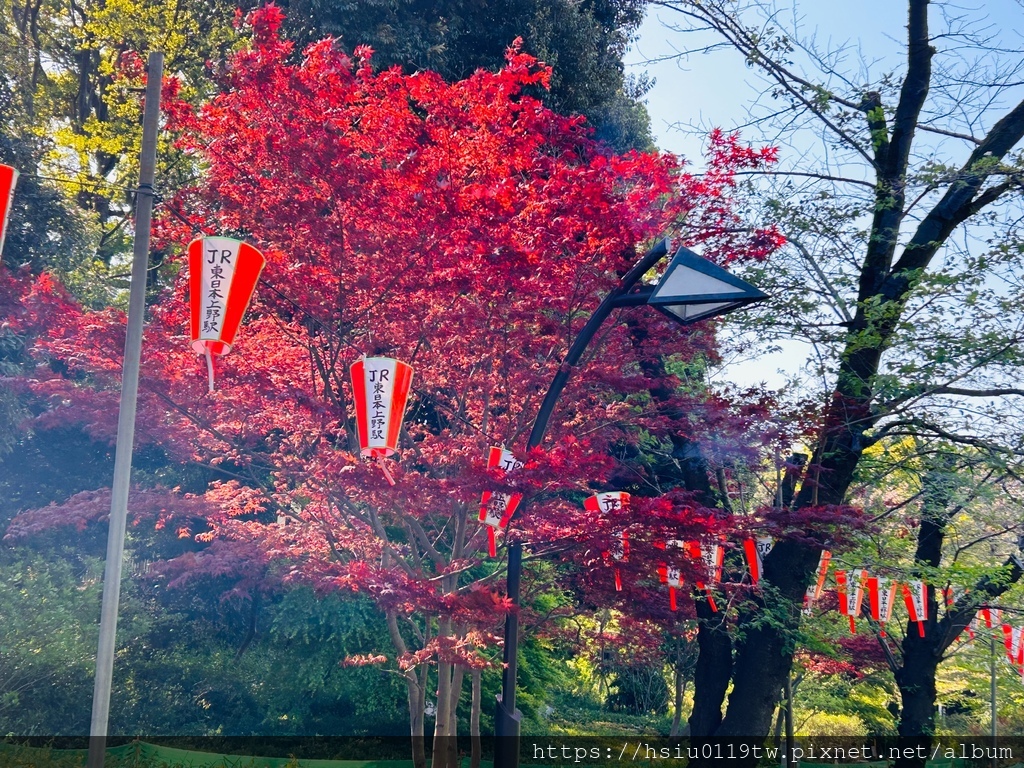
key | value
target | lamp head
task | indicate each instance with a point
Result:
(694, 289)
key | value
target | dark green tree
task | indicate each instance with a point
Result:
(583, 41)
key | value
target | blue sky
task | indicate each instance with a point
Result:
(714, 90)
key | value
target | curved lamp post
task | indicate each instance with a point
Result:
(691, 289)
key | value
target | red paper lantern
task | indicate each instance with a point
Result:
(606, 504)
(8, 178)
(1014, 639)
(993, 616)
(673, 577)
(814, 591)
(380, 389)
(851, 593)
(670, 574)
(756, 551)
(915, 595)
(973, 627)
(222, 277)
(712, 555)
(881, 598)
(496, 509)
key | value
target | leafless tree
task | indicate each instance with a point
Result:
(899, 187)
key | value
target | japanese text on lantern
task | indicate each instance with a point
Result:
(218, 269)
(379, 384)
(497, 504)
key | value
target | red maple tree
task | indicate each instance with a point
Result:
(460, 227)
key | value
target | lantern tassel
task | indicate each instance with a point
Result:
(384, 469)
(209, 367)
(618, 580)
(492, 546)
(711, 600)
(672, 598)
(920, 628)
(853, 629)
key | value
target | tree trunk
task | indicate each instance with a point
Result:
(420, 742)
(714, 662)
(921, 655)
(677, 670)
(770, 665)
(452, 743)
(713, 672)
(416, 688)
(416, 719)
(763, 657)
(916, 681)
(474, 722)
(790, 736)
(442, 721)
(445, 753)
(780, 716)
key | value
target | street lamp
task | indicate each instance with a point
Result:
(691, 289)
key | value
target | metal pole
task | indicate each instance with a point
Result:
(790, 739)
(992, 693)
(126, 418)
(506, 718)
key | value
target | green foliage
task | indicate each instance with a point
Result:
(583, 41)
(828, 704)
(48, 608)
(46, 231)
(70, 113)
(640, 689)
(184, 665)
(573, 716)
(297, 669)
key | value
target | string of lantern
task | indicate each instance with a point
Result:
(223, 274)
(213, 331)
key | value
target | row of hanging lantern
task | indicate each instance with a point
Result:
(882, 594)
(497, 508)
(223, 273)
(1012, 637)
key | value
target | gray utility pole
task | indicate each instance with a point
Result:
(126, 418)
(993, 689)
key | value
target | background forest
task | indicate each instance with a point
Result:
(459, 184)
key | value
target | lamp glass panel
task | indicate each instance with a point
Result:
(691, 311)
(684, 281)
